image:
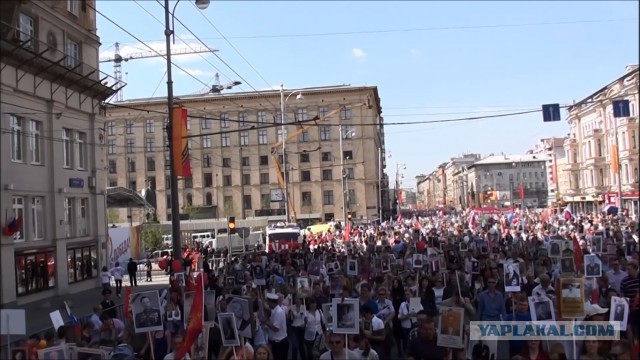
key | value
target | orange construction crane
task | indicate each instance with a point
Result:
(277, 147)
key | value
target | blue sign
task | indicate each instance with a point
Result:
(76, 183)
(621, 108)
(551, 112)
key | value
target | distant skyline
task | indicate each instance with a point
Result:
(430, 61)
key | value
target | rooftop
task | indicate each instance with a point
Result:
(508, 159)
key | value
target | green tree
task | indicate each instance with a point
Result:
(189, 210)
(152, 237)
(113, 216)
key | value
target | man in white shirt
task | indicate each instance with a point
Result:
(277, 328)
(117, 272)
(615, 275)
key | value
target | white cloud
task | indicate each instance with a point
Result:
(358, 53)
(177, 51)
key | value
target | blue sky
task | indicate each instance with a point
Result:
(476, 66)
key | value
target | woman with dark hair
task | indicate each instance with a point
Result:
(397, 298)
(534, 351)
(427, 296)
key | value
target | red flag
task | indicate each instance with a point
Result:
(521, 191)
(126, 303)
(195, 325)
(577, 253)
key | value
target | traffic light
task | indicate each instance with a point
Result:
(349, 215)
(231, 225)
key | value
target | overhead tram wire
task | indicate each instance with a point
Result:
(427, 29)
(144, 43)
(232, 46)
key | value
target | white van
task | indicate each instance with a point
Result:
(166, 240)
(202, 237)
(159, 254)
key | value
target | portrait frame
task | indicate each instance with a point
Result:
(259, 275)
(623, 302)
(228, 329)
(61, 353)
(19, 350)
(303, 287)
(346, 316)
(239, 307)
(352, 267)
(327, 315)
(538, 312)
(204, 347)
(181, 280)
(78, 351)
(592, 271)
(512, 282)
(596, 244)
(555, 248)
(451, 336)
(137, 309)
(210, 306)
(417, 261)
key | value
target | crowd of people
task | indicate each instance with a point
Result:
(416, 284)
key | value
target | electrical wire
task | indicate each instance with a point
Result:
(426, 29)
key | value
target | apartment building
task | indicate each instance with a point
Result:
(50, 154)
(553, 150)
(593, 136)
(235, 139)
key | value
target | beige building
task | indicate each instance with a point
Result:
(593, 134)
(233, 172)
(50, 153)
(552, 149)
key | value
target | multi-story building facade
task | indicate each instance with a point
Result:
(431, 188)
(234, 139)
(495, 180)
(456, 183)
(553, 150)
(51, 154)
(594, 134)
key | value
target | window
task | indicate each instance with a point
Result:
(149, 126)
(303, 137)
(72, 7)
(113, 182)
(264, 178)
(206, 161)
(262, 137)
(206, 141)
(83, 217)
(35, 272)
(205, 124)
(132, 165)
(189, 199)
(327, 174)
(301, 114)
(242, 118)
(81, 150)
(345, 113)
(245, 161)
(111, 128)
(262, 117)
(304, 157)
(111, 147)
(226, 180)
(244, 138)
(350, 173)
(131, 144)
(83, 263)
(265, 201)
(226, 162)
(347, 155)
(66, 148)
(246, 202)
(208, 179)
(25, 30)
(224, 120)
(322, 112)
(306, 198)
(167, 182)
(188, 123)
(152, 182)
(188, 183)
(327, 197)
(326, 156)
(151, 164)
(279, 134)
(129, 127)
(18, 212)
(112, 166)
(208, 199)
(633, 140)
(17, 135)
(35, 141)
(69, 217)
(73, 54)
(264, 160)
(325, 133)
(226, 140)
(246, 179)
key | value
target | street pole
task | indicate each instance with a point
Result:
(343, 177)
(175, 206)
(618, 168)
(380, 184)
(284, 156)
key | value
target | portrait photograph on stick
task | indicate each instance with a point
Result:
(352, 267)
(450, 327)
(541, 308)
(512, 277)
(228, 329)
(592, 266)
(59, 352)
(619, 311)
(145, 307)
(346, 315)
(209, 307)
(83, 353)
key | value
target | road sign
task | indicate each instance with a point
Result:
(621, 108)
(551, 112)
(243, 232)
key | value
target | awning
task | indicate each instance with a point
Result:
(121, 197)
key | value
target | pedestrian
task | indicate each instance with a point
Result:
(132, 269)
(105, 278)
(117, 272)
(148, 266)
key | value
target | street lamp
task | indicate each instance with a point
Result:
(344, 133)
(173, 178)
(283, 101)
(397, 186)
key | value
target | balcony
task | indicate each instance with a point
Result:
(570, 142)
(595, 161)
(627, 153)
(593, 133)
(46, 63)
(627, 121)
(574, 166)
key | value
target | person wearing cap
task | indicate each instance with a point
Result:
(276, 327)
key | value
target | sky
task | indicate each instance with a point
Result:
(429, 60)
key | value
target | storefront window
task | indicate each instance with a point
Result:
(35, 271)
(82, 263)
